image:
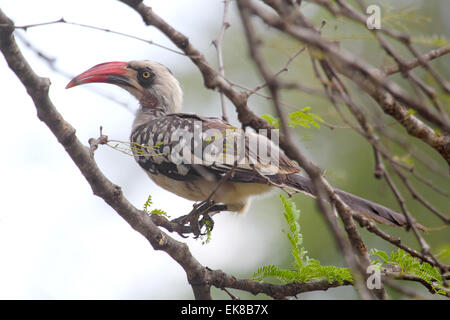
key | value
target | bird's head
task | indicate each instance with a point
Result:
(151, 83)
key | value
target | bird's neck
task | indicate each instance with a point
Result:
(150, 108)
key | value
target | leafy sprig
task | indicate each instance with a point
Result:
(300, 118)
(407, 264)
(305, 268)
(147, 206)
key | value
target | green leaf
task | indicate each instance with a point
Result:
(275, 122)
(383, 255)
(148, 203)
(159, 212)
(147, 206)
(305, 268)
(409, 113)
(299, 118)
(411, 265)
(206, 236)
(407, 159)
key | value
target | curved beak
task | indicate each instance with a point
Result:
(110, 72)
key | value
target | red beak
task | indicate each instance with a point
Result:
(109, 72)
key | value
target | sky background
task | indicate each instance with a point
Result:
(59, 241)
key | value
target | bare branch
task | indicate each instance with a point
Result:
(220, 280)
(413, 63)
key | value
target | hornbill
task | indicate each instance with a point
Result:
(161, 133)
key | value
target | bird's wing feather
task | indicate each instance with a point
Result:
(215, 148)
(253, 157)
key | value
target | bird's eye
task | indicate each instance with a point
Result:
(145, 77)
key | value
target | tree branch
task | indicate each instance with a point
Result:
(413, 63)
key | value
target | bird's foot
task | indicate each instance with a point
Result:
(200, 218)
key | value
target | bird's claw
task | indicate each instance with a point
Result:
(193, 221)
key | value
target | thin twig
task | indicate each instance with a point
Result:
(218, 44)
(275, 75)
(413, 63)
(64, 21)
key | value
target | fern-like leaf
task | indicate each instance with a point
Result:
(412, 266)
(305, 268)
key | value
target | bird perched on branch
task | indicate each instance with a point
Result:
(206, 159)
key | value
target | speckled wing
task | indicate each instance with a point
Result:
(185, 146)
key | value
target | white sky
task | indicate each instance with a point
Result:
(59, 241)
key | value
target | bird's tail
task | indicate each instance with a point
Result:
(367, 208)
